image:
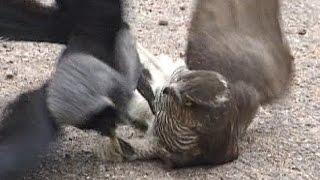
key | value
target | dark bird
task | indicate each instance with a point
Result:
(236, 61)
(33, 21)
(94, 81)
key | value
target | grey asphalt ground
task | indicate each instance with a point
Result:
(282, 143)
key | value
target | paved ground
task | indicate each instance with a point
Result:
(282, 143)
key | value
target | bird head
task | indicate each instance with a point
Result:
(205, 88)
(201, 102)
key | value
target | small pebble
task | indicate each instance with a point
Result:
(302, 32)
(103, 168)
(86, 152)
(9, 75)
(163, 23)
(295, 168)
(67, 156)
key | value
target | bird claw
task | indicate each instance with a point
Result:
(115, 150)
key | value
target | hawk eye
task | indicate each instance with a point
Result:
(166, 90)
(188, 102)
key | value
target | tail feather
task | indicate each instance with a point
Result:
(26, 129)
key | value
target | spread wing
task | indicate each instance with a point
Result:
(255, 18)
(242, 40)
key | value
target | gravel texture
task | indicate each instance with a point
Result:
(282, 143)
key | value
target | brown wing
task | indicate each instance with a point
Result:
(242, 40)
(256, 18)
